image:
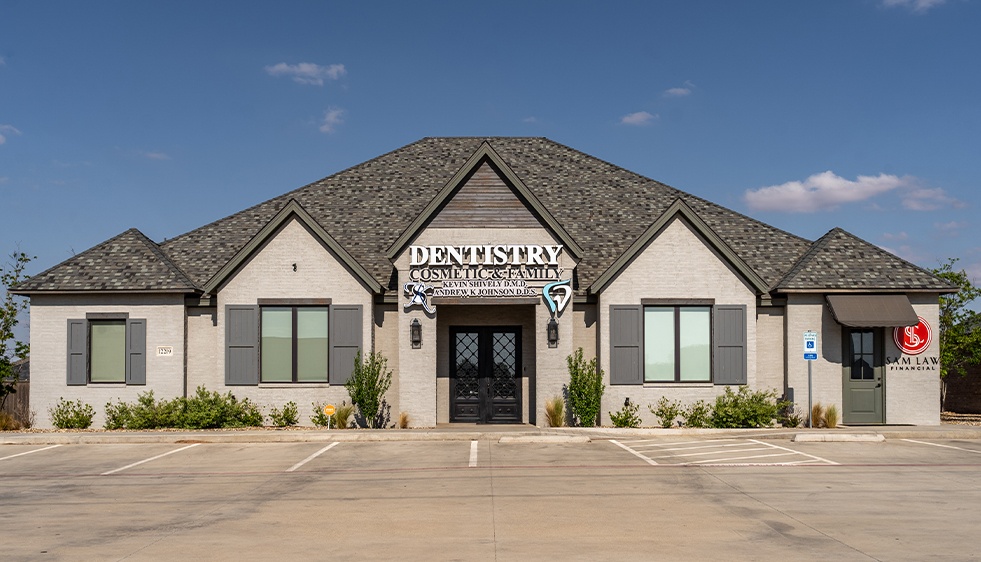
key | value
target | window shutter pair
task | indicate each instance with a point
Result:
(627, 344)
(242, 343)
(78, 352)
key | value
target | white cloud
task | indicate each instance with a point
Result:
(3, 61)
(821, 192)
(332, 118)
(4, 179)
(951, 226)
(679, 92)
(895, 237)
(638, 118)
(9, 130)
(308, 72)
(156, 155)
(530, 120)
(917, 6)
(929, 199)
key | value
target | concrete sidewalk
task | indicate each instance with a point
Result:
(470, 432)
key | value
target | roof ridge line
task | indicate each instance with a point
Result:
(163, 257)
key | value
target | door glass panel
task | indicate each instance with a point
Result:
(107, 359)
(863, 355)
(696, 354)
(277, 344)
(505, 366)
(311, 344)
(466, 365)
(659, 344)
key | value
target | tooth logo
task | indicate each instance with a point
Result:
(557, 295)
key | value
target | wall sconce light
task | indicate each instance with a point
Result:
(415, 333)
(553, 333)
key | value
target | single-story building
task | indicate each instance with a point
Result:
(476, 266)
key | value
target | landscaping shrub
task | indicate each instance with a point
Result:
(817, 415)
(697, 414)
(790, 415)
(404, 420)
(585, 389)
(555, 411)
(71, 415)
(8, 422)
(286, 417)
(367, 387)
(204, 410)
(666, 411)
(745, 408)
(118, 415)
(319, 418)
(627, 416)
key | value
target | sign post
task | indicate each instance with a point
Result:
(328, 411)
(810, 355)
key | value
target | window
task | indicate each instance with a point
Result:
(294, 343)
(694, 341)
(677, 344)
(106, 348)
(863, 355)
(107, 351)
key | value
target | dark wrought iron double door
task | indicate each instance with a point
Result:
(485, 376)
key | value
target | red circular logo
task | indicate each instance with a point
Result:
(913, 340)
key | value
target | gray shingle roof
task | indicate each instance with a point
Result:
(365, 208)
(127, 262)
(840, 260)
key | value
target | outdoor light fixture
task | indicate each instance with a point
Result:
(415, 333)
(553, 333)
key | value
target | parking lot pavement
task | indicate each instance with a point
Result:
(483, 499)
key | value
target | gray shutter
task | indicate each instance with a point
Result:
(241, 344)
(626, 344)
(346, 325)
(78, 352)
(729, 339)
(136, 351)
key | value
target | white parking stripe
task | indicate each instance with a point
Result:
(740, 458)
(311, 457)
(926, 443)
(702, 447)
(120, 469)
(703, 453)
(793, 451)
(29, 452)
(635, 453)
(473, 454)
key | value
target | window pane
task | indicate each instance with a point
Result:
(659, 343)
(311, 344)
(696, 349)
(107, 351)
(277, 344)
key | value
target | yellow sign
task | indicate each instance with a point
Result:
(329, 410)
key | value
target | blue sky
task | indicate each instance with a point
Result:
(863, 114)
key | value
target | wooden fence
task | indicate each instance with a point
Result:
(18, 403)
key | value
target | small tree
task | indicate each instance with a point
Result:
(367, 386)
(11, 274)
(585, 389)
(960, 327)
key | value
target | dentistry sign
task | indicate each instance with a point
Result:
(486, 271)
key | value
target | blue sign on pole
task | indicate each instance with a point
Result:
(810, 346)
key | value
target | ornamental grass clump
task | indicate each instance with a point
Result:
(817, 415)
(830, 417)
(555, 411)
(585, 389)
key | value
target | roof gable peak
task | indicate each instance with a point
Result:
(485, 153)
(291, 210)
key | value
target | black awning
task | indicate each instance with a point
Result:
(872, 311)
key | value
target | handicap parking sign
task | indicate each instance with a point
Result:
(810, 346)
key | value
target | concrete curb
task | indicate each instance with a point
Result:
(838, 438)
(522, 435)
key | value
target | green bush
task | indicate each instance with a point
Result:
(367, 387)
(697, 414)
(71, 415)
(319, 418)
(204, 410)
(286, 417)
(745, 408)
(585, 389)
(666, 411)
(790, 415)
(627, 416)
